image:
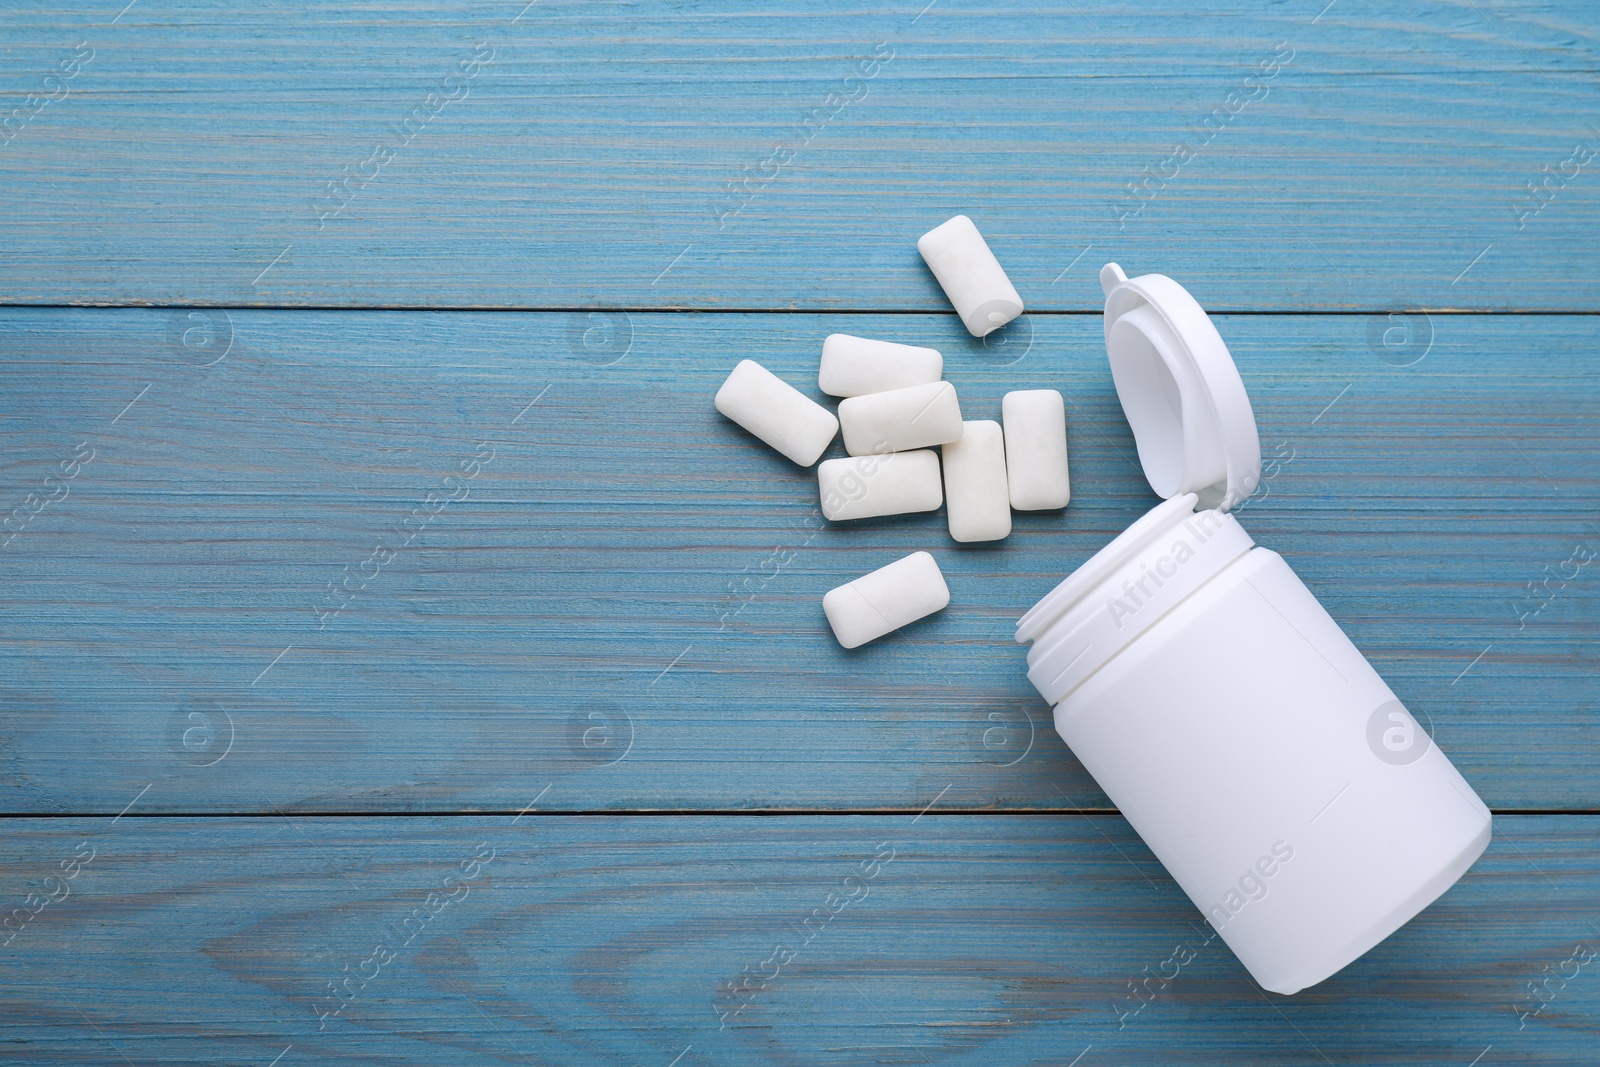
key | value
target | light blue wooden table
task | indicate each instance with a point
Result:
(576, 756)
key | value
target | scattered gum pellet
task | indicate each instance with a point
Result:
(886, 599)
(970, 275)
(1036, 449)
(976, 501)
(777, 412)
(900, 419)
(865, 487)
(855, 366)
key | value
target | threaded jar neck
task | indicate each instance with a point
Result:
(1123, 590)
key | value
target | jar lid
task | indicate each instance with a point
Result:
(1180, 391)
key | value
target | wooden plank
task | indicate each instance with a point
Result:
(625, 599)
(977, 940)
(587, 159)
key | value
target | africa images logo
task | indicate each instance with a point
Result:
(1394, 736)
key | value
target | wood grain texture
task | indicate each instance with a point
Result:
(978, 940)
(625, 599)
(323, 571)
(588, 161)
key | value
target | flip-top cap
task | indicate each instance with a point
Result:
(1180, 391)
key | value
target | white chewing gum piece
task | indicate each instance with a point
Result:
(900, 419)
(855, 366)
(976, 500)
(777, 412)
(1036, 449)
(970, 275)
(886, 599)
(865, 487)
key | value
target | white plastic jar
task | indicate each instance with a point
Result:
(1215, 701)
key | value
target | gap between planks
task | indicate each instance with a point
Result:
(674, 813)
(560, 309)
